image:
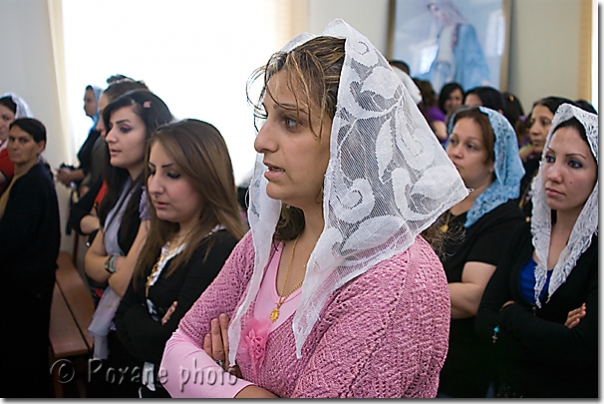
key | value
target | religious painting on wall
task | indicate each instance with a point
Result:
(442, 41)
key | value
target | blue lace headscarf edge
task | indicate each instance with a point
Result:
(508, 167)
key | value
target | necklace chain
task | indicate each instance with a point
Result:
(283, 298)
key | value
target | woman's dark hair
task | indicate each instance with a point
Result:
(446, 91)
(400, 64)
(552, 103)
(32, 126)
(154, 113)
(513, 108)
(120, 87)
(482, 120)
(575, 124)
(428, 93)
(490, 97)
(586, 106)
(9, 103)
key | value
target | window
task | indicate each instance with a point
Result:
(196, 55)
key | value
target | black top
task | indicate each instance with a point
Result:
(531, 166)
(85, 152)
(540, 356)
(30, 234)
(29, 245)
(466, 372)
(145, 337)
(84, 205)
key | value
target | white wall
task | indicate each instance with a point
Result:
(26, 68)
(369, 17)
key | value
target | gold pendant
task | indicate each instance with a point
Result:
(275, 314)
(444, 228)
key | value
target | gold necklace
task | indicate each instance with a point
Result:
(445, 227)
(282, 298)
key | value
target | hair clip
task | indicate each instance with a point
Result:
(147, 104)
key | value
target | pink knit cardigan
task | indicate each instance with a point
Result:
(383, 334)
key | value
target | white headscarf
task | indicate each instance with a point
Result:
(387, 180)
(23, 110)
(541, 223)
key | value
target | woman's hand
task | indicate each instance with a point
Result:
(64, 175)
(507, 304)
(168, 314)
(216, 343)
(575, 316)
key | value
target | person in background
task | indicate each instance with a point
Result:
(67, 174)
(414, 91)
(540, 308)
(515, 114)
(450, 98)
(29, 246)
(485, 97)
(429, 107)
(11, 107)
(540, 122)
(195, 223)
(84, 214)
(483, 148)
(130, 120)
(400, 65)
(333, 292)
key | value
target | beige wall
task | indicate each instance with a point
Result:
(26, 68)
(544, 53)
(369, 17)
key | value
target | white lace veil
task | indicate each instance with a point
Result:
(541, 223)
(387, 180)
(23, 110)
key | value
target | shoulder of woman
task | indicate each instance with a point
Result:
(508, 211)
(222, 239)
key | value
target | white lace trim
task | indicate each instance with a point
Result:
(541, 225)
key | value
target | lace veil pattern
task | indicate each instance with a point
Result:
(387, 180)
(541, 223)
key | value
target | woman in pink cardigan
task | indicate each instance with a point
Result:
(333, 292)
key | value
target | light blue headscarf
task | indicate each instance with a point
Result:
(97, 93)
(508, 167)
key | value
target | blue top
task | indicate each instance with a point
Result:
(527, 281)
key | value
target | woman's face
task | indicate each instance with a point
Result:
(454, 100)
(6, 118)
(467, 151)
(89, 103)
(437, 12)
(472, 100)
(296, 158)
(126, 139)
(569, 171)
(22, 148)
(173, 197)
(539, 126)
